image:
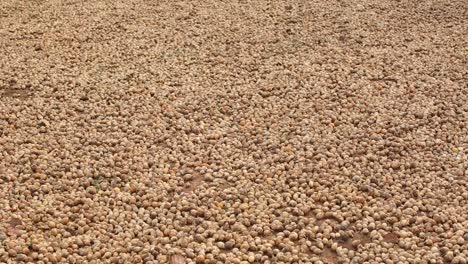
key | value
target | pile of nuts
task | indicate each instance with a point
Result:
(231, 132)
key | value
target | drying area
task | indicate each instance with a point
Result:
(207, 131)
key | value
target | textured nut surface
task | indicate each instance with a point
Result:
(233, 132)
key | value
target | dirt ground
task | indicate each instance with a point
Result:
(151, 131)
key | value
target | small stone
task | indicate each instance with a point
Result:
(220, 245)
(229, 244)
(208, 178)
(365, 188)
(91, 190)
(277, 225)
(177, 259)
(2, 236)
(200, 259)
